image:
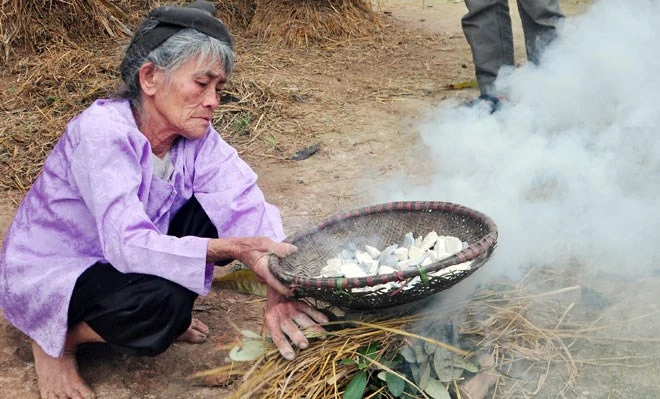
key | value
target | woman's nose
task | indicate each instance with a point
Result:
(212, 99)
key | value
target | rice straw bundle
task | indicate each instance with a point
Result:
(526, 343)
(317, 372)
(37, 107)
(304, 22)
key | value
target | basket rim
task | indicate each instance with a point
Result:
(484, 246)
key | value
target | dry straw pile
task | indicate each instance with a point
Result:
(304, 22)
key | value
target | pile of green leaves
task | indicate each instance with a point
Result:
(420, 368)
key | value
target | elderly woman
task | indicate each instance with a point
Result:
(134, 206)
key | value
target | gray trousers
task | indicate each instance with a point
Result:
(487, 28)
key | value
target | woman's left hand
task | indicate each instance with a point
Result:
(285, 319)
(285, 316)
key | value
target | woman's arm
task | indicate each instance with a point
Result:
(254, 253)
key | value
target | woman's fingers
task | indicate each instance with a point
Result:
(294, 333)
(312, 312)
(278, 337)
(286, 321)
(283, 249)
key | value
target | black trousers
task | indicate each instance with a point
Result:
(139, 314)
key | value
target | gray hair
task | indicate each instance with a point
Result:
(178, 49)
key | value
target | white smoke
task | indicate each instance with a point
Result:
(569, 168)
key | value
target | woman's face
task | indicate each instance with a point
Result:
(185, 103)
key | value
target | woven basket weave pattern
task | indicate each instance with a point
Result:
(381, 226)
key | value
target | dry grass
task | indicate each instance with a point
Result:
(236, 14)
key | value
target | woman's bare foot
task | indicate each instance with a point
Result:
(196, 333)
(59, 377)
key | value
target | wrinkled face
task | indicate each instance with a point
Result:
(185, 102)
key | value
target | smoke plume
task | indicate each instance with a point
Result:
(569, 168)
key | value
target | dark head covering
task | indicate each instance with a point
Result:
(199, 15)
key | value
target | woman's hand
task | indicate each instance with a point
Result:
(285, 319)
(254, 253)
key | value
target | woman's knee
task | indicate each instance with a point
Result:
(145, 319)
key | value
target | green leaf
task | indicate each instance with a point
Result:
(442, 358)
(390, 364)
(355, 388)
(436, 389)
(347, 361)
(244, 281)
(249, 350)
(395, 384)
(463, 85)
(424, 375)
(271, 139)
(448, 374)
(408, 354)
(423, 276)
(420, 355)
(459, 362)
(442, 365)
(414, 370)
(430, 347)
(369, 351)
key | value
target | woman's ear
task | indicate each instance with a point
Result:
(149, 78)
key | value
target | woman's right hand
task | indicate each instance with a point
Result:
(254, 253)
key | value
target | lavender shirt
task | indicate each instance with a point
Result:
(97, 200)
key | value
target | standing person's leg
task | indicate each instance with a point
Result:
(487, 28)
(539, 21)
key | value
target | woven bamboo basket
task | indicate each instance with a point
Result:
(380, 226)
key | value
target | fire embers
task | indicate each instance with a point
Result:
(412, 253)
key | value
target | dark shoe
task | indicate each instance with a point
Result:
(492, 101)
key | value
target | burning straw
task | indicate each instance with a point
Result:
(524, 335)
(322, 370)
(525, 343)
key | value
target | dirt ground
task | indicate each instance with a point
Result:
(361, 106)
